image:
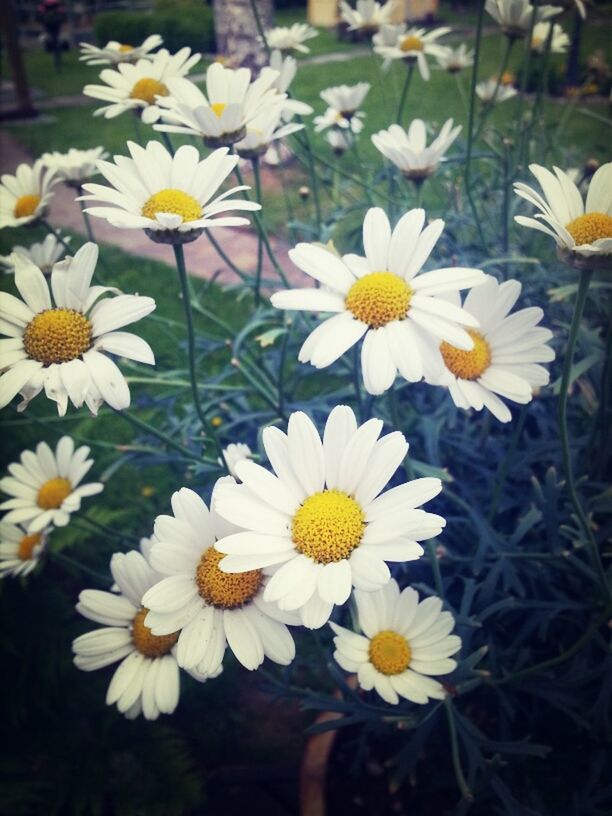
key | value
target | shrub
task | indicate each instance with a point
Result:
(193, 27)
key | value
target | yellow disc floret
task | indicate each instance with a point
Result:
(218, 108)
(53, 492)
(146, 643)
(26, 205)
(328, 526)
(467, 365)
(57, 336)
(125, 48)
(379, 298)
(27, 545)
(411, 44)
(172, 201)
(146, 89)
(225, 590)
(389, 652)
(586, 229)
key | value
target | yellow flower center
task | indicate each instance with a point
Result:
(379, 298)
(389, 652)
(57, 336)
(467, 365)
(146, 643)
(328, 526)
(52, 493)
(411, 44)
(27, 545)
(26, 205)
(536, 42)
(586, 229)
(147, 89)
(125, 48)
(172, 201)
(225, 590)
(218, 108)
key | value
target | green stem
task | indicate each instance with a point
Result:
(520, 134)
(168, 142)
(86, 218)
(452, 729)
(404, 96)
(220, 252)
(191, 348)
(65, 559)
(314, 182)
(150, 429)
(435, 567)
(258, 196)
(260, 28)
(502, 473)
(502, 70)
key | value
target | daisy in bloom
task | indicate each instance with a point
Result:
(383, 299)
(138, 87)
(290, 38)
(231, 102)
(338, 140)
(44, 255)
(343, 105)
(367, 16)
(559, 42)
(507, 354)
(147, 679)
(25, 197)
(413, 45)
(233, 454)
(454, 60)
(286, 69)
(332, 118)
(581, 229)
(75, 166)
(167, 196)
(321, 518)
(408, 150)
(20, 551)
(489, 91)
(514, 16)
(115, 52)
(211, 608)
(404, 642)
(59, 336)
(46, 487)
(266, 128)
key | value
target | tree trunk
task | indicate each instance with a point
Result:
(236, 30)
(10, 32)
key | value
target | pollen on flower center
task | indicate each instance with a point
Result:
(57, 336)
(389, 652)
(26, 205)
(379, 298)
(218, 108)
(146, 643)
(53, 492)
(467, 365)
(328, 526)
(125, 48)
(172, 201)
(27, 546)
(225, 590)
(147, 89)
(586, 229)
(411, 44)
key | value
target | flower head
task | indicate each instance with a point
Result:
(60, 333)
(343, 103)
(286, 68)
(44, 255)
(290, 38)
(75, 166)
(20, 551)
(490, 91)
(408, 150)
(412, 45)
(321, 518)
(514, 16)
(383, 299)
(45, 486)
(115, 52)
(25, 197)
(265, 128)
(367, 16)
(454, 60)
(234, 453)
(404, 642)
(559, 42)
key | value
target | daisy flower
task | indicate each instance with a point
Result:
(25, 197)
(489, 91)
(338, 140)
(267, 127)
(559, 42)
(321, 518)
(346, 99)
(20, 551)
(383, 299)
(408, 150)
(290, 38)
(167, 196)
(211, 607)
(138, 87)
(581, 229)
(507, 354)
(44, 255)
(514, 16)
(147, 679)
(221, 116)
(367, 16)
(454, 60)
(404, 642)
(75, 166)
(234, 453)
(46, 486)
(286, 69)
(115, 52)
(59, 337)
(413, 45)
(332, 118)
